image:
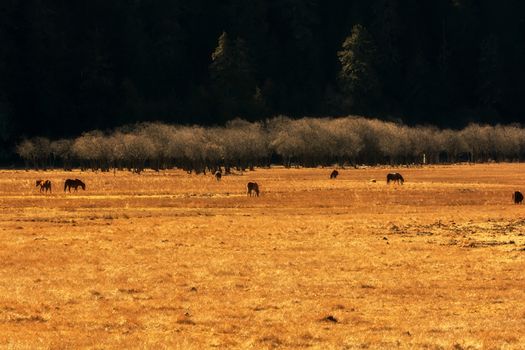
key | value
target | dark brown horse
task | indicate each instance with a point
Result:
(218, 175)
(334, 174)
(44, 185)
(517, 197)
(74, 183)
(253, 187)
(395, 177)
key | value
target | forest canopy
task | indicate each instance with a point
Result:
(67, 67)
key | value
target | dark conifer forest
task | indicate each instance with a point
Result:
(67, 67)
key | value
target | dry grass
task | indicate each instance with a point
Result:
(170, 260)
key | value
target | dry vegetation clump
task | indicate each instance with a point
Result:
(176, 260)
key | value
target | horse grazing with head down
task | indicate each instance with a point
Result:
(252, 187)
(44, 185)
(334, 174)
(517, 197)
(395, 177)
(218, 175)
(74, 183)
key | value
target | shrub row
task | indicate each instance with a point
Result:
(305, 142)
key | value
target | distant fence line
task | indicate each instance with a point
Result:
(304, 142)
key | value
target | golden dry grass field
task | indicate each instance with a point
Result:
(175, 261)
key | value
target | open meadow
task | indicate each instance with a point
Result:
(178, 261)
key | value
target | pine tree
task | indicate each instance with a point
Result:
(358, 76)
(232, 77)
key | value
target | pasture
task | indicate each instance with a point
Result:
(172, 260)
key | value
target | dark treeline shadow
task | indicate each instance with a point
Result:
(71, 66)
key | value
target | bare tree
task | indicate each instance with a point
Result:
(347, 142)
(27, 151)
(452, 144)
(161, 137)
(137, 150)
(61, 150)
(284, 141)
(93, 150)
(477, 139)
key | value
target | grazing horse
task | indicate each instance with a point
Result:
(334, 174)
(253, 187)
(73, 183)
(517, 197)
(395, 177)
(44, 185)
(218, 175)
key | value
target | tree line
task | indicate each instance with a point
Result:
(241, 145)
(71, 66)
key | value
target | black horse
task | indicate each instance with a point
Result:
(74, 183)
(395, 177)
(517, 197)
(253, 187)
(334, 174)
(44, 185)
(218, 175)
